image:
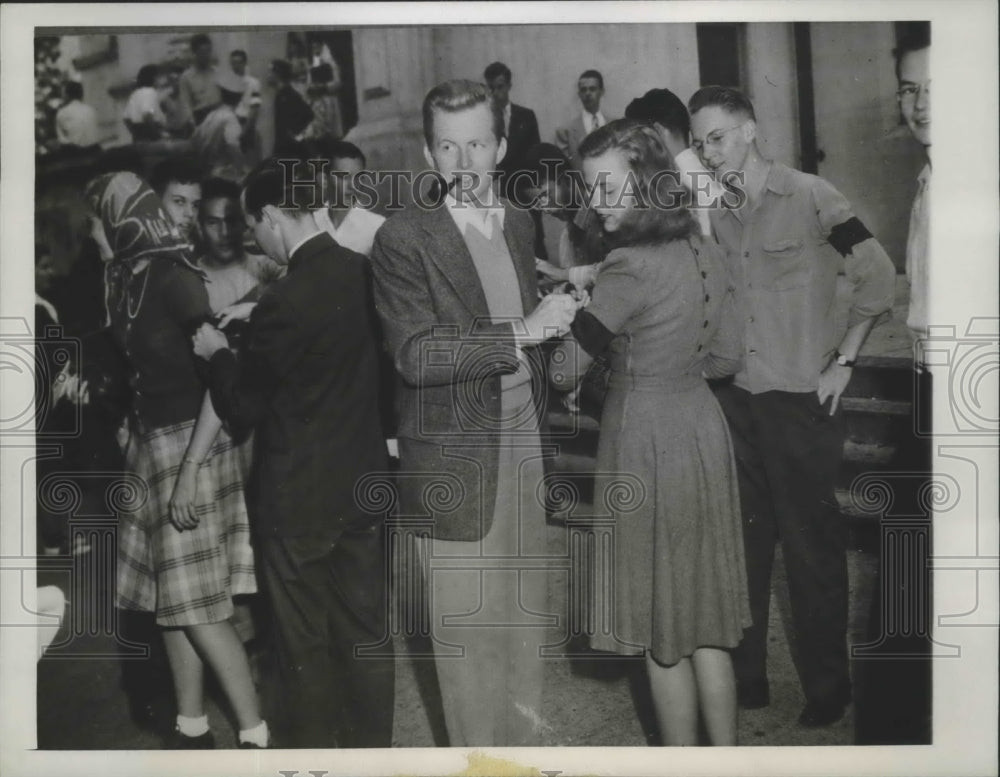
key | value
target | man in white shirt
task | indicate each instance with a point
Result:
(76, 122)
(344, 216)
(590, 88)
(143, 115)
(455, 288)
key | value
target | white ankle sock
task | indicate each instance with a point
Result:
(192, 727)
(257, 735)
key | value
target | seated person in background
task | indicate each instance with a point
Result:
(76, 122)
(177, 180)
(217, 140)
(345, 217)
(143, 115)
(231, 275)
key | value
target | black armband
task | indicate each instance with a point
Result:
(591, 334)
(845, 236)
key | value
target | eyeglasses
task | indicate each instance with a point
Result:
(910, 91)
(714, 138)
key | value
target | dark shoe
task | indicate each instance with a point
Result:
(177, 741)
(823, 713)
(250, 746)
(753, 695)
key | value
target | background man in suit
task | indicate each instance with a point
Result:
(307, 377)
(590, 87)
(520, 125)
(455, 286)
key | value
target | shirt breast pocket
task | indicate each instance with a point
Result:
(783, 266)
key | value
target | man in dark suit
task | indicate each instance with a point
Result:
(520, 125)
(455, 287)
(307, 377)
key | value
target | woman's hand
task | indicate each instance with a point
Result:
(551, 271)
(182, 502)
(67, 386)
(239, 312)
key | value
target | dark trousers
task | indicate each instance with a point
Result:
(788, 452)
(894, 666)
(327, 602)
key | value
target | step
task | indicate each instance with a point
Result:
(883, 377)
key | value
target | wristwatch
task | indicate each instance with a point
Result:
(842, 360)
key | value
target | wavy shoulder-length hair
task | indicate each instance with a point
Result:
(660, 213)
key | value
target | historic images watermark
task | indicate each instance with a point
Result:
(312, 184)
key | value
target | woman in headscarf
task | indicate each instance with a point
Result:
(186, 551)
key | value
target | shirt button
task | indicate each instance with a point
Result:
(704, 274)
(706, 298)
(752, 352)
(699, 347)
(750, 319)
(746, 254)
(705, 325)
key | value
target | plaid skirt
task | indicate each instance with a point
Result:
(186, 577)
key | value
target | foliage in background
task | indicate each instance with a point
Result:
(49, 81)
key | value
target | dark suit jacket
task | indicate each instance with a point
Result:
(307, 378)
(522, 135)
(450, 356)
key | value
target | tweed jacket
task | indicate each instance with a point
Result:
(449, 356)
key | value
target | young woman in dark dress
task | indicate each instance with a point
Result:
(662, 313)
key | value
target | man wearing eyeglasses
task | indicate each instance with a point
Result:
(786, 239)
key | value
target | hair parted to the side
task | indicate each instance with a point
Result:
(216, 188)
(147, 75)
(495, 69)
(917, 38)
(200, 39)
(276, 182)
(329, 147)
(663, 107)
(730, 99)
(458, 95)
(592, 74)
(73, 90)
(661, 212)
(182, 168)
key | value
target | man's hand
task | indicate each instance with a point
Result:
(207, 340)
(832, 382)
(551, 318)
(239, 312)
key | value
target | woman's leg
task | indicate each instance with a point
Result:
(713, 671)
(222, 649)
(675, 699)
(187, 671)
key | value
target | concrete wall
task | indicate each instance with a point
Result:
(397, 66)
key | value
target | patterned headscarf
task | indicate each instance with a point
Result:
(136, 226)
